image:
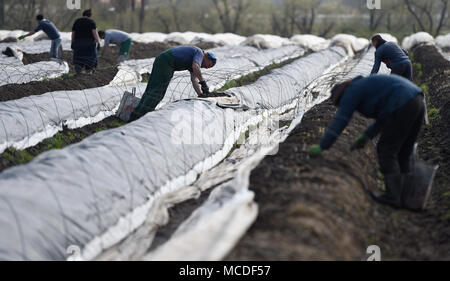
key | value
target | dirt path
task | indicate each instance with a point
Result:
(319, 209)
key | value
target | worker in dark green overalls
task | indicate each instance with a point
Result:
(177, 59)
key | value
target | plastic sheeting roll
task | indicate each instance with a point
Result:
(265, 41)
(311, 41)
(443, 42)
(417, 38)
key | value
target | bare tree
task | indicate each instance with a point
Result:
(300, 16)
(2, 12)
(142, 15)
(174, 4)
(375, 19)
(305, 18)
(162, 18)
(133, 10)
(424, 14)
(231, 12)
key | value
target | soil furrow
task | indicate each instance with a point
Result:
(319, 209)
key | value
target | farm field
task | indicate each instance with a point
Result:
(215, 178)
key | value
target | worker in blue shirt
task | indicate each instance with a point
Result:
(397, 105)
(52, 32)
(395, 57)
(176, 59)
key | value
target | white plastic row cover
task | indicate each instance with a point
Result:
(28, 121)
(22, 74)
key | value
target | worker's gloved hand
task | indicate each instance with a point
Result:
(98, 46)
(22, 37)
(205, 88)
(360, 142)
(315, 151)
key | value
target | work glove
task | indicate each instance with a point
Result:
(205, 88)
(360, 142)
(98, 47)
(22, 37)
(315, 151)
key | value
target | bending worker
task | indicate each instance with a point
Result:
(395, 57)
(177, 59)
(397, 105)
(52, 32)
(118, 38)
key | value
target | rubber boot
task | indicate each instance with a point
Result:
(78, 69)
(413, 196)
(393, 194)
(417, 187)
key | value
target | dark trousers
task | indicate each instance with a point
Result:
(404, 70)
(85, 54)
(398, 136)
(158, 83)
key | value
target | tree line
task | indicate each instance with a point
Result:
(245, 17)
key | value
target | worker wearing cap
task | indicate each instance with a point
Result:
(395, 57)
(52, 32)
(118, 38)
(397, 105)
(176, 59)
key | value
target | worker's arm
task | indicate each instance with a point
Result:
(26, 35)
(196, 84)
(377, 65)
(197, 73)
(347, 107)
(96, 37)
(196, 70)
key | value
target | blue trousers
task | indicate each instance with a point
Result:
(56, 49)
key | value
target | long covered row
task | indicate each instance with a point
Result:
(95, 193)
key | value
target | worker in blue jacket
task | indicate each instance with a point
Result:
(397, 106)
(176, 59)
(395, 57)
